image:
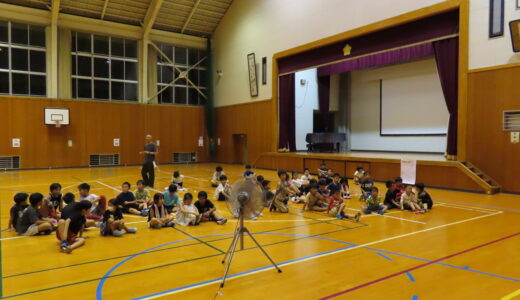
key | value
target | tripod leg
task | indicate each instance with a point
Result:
(265, 253)
(230, 245)
(232, 252)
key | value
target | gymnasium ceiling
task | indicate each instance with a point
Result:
(193, 17)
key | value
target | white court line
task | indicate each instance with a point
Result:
(285, 221)
(467, 208)
(327, 254)
(111, 187)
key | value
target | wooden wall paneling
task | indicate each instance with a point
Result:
(94, 125)
(383, 171)
(489, 148)
(442, 176)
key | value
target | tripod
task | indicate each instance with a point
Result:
(239, 235)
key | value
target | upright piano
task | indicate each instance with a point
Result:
(324, 141)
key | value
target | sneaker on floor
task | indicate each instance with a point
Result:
(66, 249)
(131, 230)
(170, 224)
(339, 217)
(221, 221)
(381, 212)
(64, 244)
(118, 233)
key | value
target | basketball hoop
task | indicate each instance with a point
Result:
(57, 123)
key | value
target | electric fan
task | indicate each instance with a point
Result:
(246, 200)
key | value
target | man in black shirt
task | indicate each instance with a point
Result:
(150, 150)
(72, 222)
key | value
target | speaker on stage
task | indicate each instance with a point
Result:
(514, 26)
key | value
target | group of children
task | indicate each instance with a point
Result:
(398, 195)
(38, 214)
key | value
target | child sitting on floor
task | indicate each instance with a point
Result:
(215, 180)
(399, 186)
(16, 212)
(71, 225)
(171, 199)
(113, 222)
(158, 216)
(208, 210)
(31, 223)
(188, 213)
(335, 184)
(249, 173)
(423, 198)
(52, 202)
(314, 201)
(322, 188)
(283, 192)
(99, 203)
(358, 174)
(337, 207)
(373, 203)
(142, 195)
(178, 179)
(391, 200)
(345, 188)
(223, 189)
(323, 170)
(268, 195)
(126, 200)
(409, 201)
(366, 186)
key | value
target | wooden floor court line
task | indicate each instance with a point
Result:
(418, 267)
(257, 270)
(320, 255)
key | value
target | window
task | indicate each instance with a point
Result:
(181, 75)
(22, 59)
(103, 67)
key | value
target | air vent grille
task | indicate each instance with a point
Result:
(184, 157)
(103, 160)
(9, 162)
(512, 120)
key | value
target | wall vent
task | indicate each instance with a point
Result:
(103, 160)
(9, 162)
(184, 157)
(511, 120)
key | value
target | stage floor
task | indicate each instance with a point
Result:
(368, 154)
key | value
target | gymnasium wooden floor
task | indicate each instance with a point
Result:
(466, 248)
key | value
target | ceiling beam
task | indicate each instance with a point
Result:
(188, 19)
(151, 15)
(104, 9)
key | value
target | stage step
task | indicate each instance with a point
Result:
(490, 185)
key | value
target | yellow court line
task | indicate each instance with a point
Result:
(511, 296)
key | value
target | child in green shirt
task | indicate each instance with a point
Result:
(373, 203)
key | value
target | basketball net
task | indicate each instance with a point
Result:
(57, 123)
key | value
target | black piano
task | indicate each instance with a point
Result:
(324, 141)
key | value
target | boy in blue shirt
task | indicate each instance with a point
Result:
(249, 173)
(171, 199)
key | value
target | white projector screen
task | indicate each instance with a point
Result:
(413, 105)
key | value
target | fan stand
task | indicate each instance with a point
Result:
(239, 234)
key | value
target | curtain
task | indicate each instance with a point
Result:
(447, 58)
(324, 102)
(286, 116)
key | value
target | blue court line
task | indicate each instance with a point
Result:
(99, 289)
(410, 276)
(415, 297)
(384, 256)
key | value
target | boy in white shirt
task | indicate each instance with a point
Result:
(360, 172)
(223, 189)
(215, 181)
(99, 203)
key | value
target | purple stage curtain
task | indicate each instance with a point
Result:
(286, 116)
(447, 58)
(324, 101)
(379, 59)
(413, 32)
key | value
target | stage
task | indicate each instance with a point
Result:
(432, 169)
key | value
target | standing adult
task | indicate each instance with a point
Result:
(150, 150)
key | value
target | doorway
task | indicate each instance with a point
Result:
(240, 147)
